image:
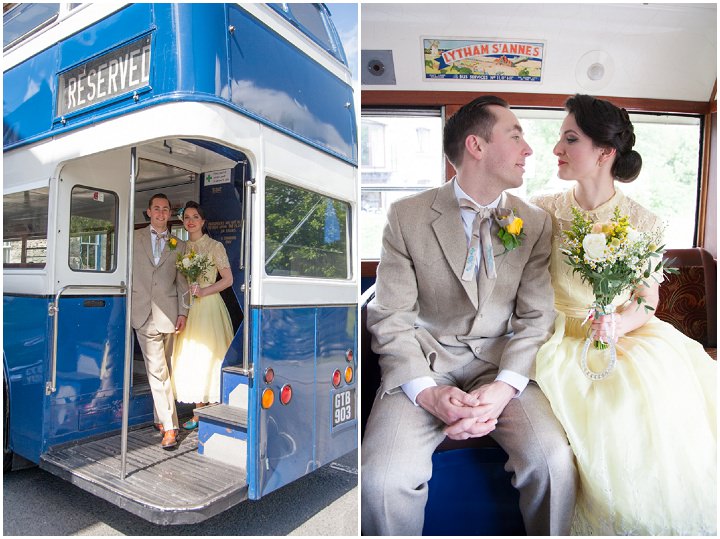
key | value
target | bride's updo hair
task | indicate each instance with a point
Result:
(608, 126)
(194, 205)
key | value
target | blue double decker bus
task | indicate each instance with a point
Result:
(247, 108)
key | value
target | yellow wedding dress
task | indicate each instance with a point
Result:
(645, 437)
(201, 347)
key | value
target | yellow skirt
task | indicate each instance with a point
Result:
(645, 437)
(200, 350)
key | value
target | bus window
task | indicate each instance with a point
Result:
(306, 234)
(93, 226)
(668, 181)
(401, 154)
(311, 20)
(22, 19)
(25, 220)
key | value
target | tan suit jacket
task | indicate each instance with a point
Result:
(157, 290)
(425, 318)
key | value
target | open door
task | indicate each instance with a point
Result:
(88, 313)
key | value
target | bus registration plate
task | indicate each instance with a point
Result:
(343, 407)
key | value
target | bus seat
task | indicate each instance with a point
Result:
(688, 300)
(470, 492)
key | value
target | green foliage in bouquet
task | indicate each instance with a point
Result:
(612, 257)
(193, 265)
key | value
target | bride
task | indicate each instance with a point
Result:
(645, 437)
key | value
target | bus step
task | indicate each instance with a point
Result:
(235, 387)
(222, 434)
(162, 486)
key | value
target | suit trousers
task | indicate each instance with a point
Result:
(400, 439)
(157, 350)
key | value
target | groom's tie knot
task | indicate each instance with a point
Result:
(480, 240)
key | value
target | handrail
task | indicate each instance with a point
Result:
(53, 310)
(128, 317)
(367, 296)
(249, 189)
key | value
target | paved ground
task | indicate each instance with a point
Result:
(325, 502)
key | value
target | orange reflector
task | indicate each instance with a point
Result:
(349, 355)
(268, 397)
(269, 375)
(285, 394)
(349, 374)
(336, 378)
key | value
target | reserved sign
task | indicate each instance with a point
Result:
(115, 73)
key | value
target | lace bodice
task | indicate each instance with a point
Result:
(572, 296)
(215, 251)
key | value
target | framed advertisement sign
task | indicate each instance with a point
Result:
(472, 59)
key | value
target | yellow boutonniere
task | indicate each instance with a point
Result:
(172, 243)
(512, 234)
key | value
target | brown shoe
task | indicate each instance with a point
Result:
(169, 439)
(159, 426)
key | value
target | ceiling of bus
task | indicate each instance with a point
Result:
(660, 51)
(173, 167)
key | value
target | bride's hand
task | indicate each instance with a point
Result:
(196, 291)
(608, 327)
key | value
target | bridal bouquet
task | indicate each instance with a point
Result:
(612, 257)
(193, 266)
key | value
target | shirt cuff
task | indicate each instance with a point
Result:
(413, 388)
(518, 381)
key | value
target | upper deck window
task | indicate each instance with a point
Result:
(314, 22)
(22, 20)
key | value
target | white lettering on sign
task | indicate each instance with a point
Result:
(122, 70)
(217, 177)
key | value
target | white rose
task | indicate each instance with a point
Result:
(595, 248)
(186, 262)
(632, 235)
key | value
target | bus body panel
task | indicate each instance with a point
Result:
(90, 363)
(336, 338)
(27, 335)
(303, 346)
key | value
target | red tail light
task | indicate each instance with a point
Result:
(336, 378)
(349, 355)
(285, 394)
(269, 375)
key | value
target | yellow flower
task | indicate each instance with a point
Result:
(515, 227)
(173, 243)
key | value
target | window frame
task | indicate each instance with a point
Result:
(409, 189)
(348, 247)
(24, 239)
(114, 252)
(450, 101)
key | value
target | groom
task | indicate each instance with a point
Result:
(158, 310)
(457, 333)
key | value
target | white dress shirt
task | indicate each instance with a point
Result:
(413, 388)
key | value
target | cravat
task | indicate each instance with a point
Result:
(157, 245)
(480, 241)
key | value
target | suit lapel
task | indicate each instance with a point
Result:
(450, 235)
(146, 243)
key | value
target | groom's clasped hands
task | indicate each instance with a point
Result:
(467, 415)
